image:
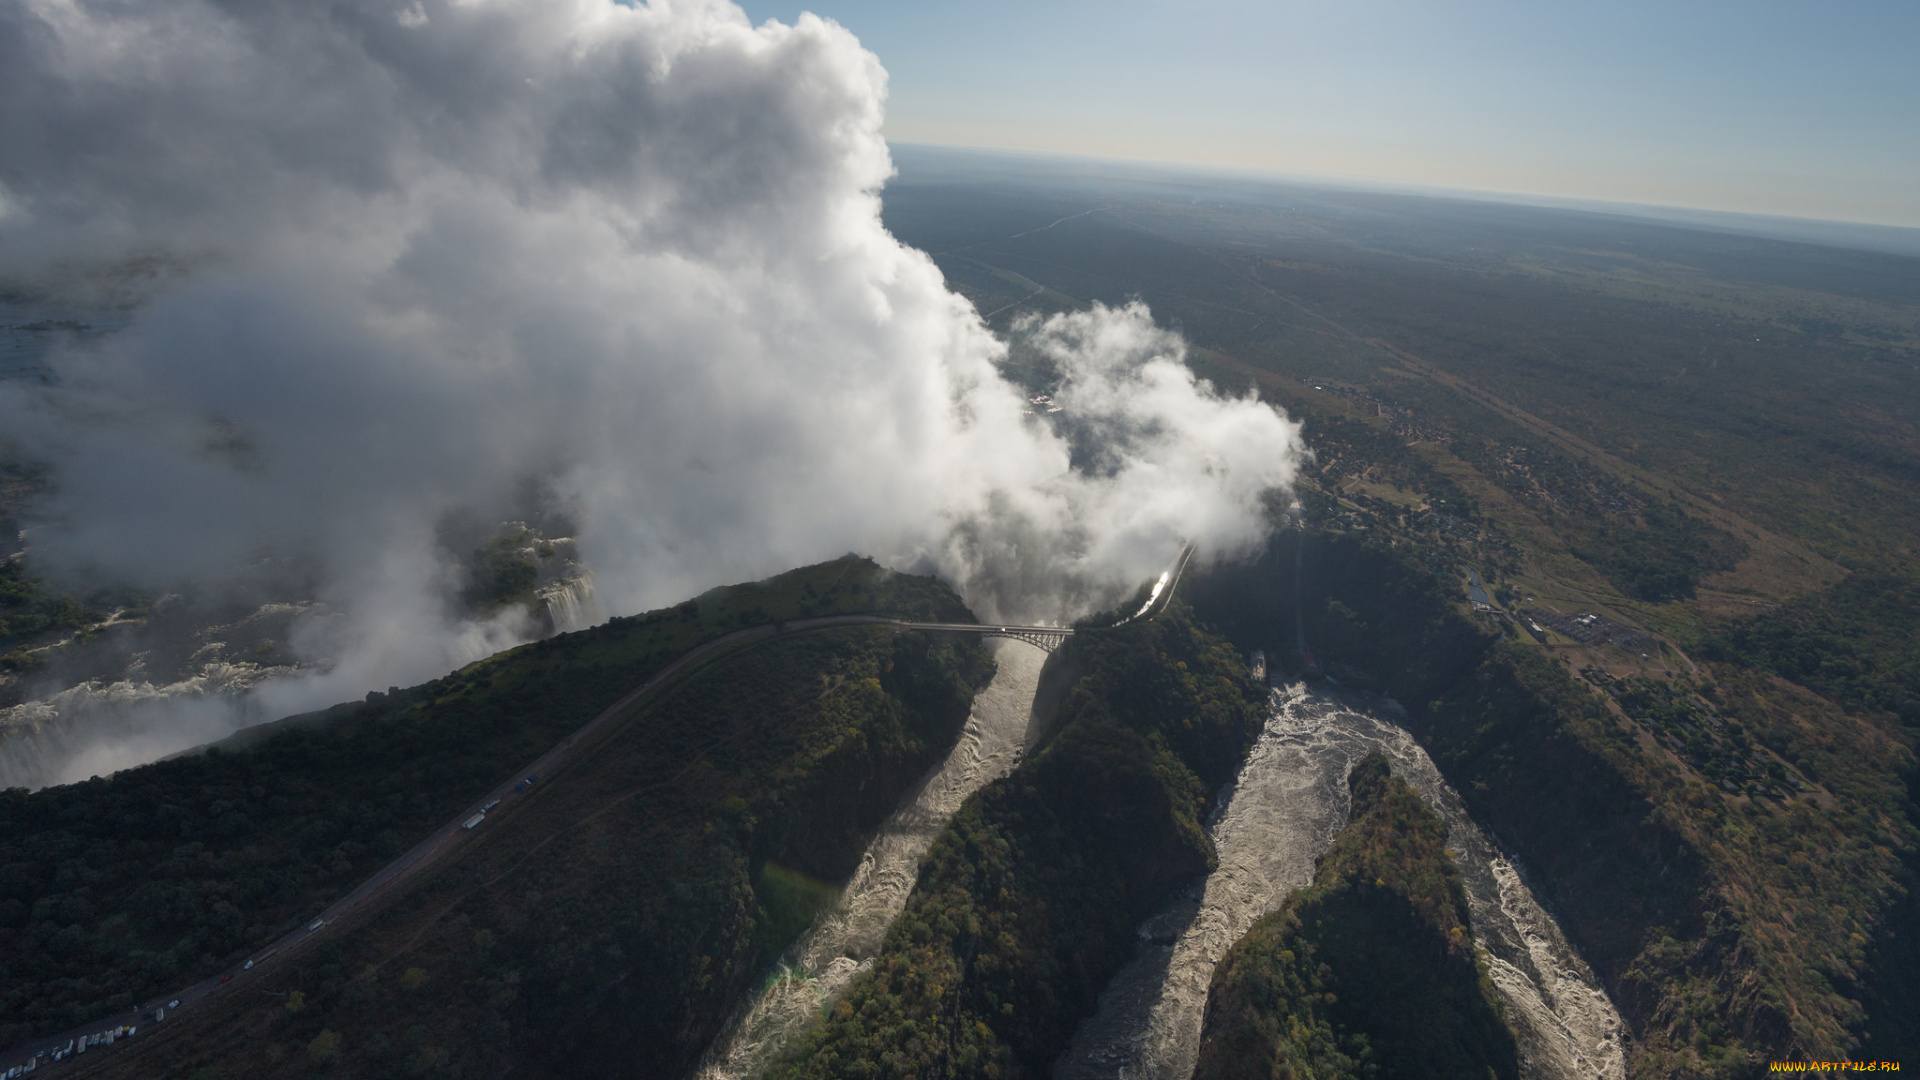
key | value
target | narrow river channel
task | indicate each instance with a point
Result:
(847, 937)
(1282, 812)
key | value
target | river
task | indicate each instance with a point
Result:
(1282, 812)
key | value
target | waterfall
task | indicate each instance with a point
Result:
(1282, 812)
(570, 603)
(845, 939)
(98, 727)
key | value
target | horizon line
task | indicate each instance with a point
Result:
(1907, 237)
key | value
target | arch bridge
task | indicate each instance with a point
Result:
(1047, 638)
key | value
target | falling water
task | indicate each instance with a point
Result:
(1288, 802)
(99, 727)
(845, 939)
(570, 602)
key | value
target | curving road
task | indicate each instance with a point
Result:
(455, 834)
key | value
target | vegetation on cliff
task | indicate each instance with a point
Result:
(608, 925)
(1027, 903)
(117, 889)
(1371, 971)
(1730, 929)
(502, 571)
(1730, 926)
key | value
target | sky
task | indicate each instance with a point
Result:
(1796, 109)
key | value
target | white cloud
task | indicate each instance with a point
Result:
(425, 254)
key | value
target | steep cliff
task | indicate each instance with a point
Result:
(1731, 924)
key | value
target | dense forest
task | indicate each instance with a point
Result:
(120, 888)
(1370, 971)
(1854, 644)
(607, 926)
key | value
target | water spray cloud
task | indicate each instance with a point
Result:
(403, 260)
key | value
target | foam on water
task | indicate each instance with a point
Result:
(844, 941)
(1283, 811)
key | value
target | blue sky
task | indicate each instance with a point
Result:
(1809, 110)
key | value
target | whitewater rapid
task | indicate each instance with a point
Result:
(1281, 813)
(845, 939)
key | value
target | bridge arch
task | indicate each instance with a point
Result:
(1045, 638)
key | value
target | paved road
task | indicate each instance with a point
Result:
(451, 836)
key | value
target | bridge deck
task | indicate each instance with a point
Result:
(1048, 638)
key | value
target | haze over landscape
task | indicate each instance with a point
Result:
(1766, 108)
(505, 505)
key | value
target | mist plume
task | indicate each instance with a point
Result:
(401, 261)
